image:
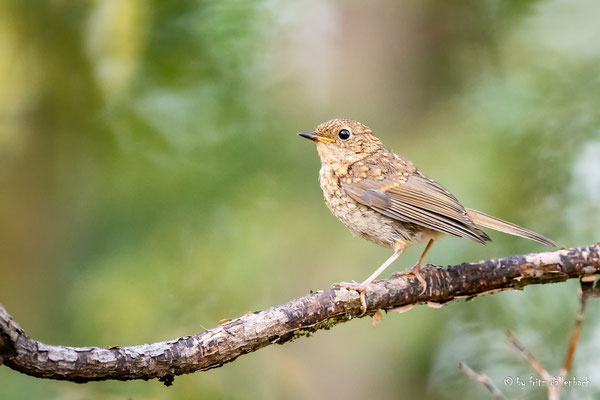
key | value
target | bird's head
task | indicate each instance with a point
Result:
(343, 141)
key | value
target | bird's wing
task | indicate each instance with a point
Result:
(418, 200)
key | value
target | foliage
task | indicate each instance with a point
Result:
(153, 183)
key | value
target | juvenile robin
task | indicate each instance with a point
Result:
(383, 198)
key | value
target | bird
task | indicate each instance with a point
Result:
(385, 199)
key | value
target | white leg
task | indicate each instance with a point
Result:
(360, 288)
(383, 267)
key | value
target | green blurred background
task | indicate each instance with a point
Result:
(152, 183)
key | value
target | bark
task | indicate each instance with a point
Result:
(280, 324)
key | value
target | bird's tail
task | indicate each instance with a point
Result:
(497, 224)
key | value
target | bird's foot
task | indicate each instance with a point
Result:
(359, 287)
(415, 271)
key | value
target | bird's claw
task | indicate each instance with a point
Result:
(350, 286)
(415, 272)
(358, 287)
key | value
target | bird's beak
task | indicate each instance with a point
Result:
(315, 138)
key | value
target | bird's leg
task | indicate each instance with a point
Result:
(398, 249)
(415, 270)
(361, 287)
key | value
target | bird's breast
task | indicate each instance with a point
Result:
(360, 219)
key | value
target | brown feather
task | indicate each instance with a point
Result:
(418, 200)
(507, 227)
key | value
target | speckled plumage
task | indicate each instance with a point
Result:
(363, 220)
(360, 167)
(383, 197)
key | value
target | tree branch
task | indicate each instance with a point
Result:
(527, 356)
(482, 379)
(300, 317)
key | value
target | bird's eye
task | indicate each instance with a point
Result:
(344, 134)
